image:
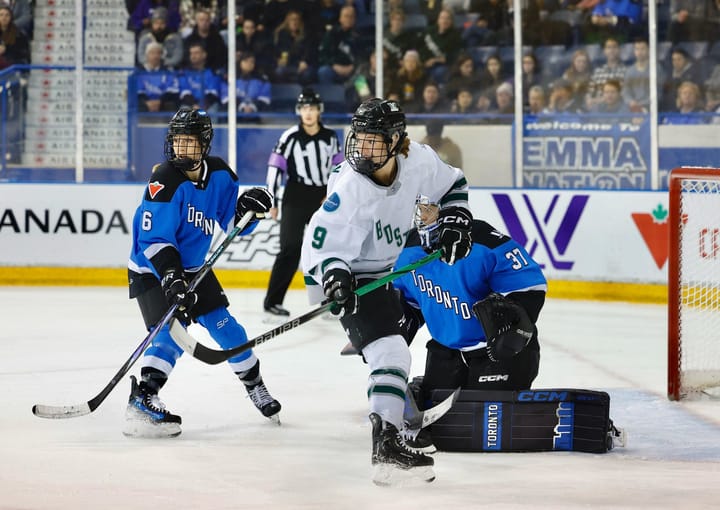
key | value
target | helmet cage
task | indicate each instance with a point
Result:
(189, 122)
(375, 117)
(425, 220)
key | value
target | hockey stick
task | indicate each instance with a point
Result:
(48, 411)
(416, 419)
(215, 356)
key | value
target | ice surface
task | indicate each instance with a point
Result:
(62, 345)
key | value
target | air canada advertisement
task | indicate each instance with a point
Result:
(574, 234)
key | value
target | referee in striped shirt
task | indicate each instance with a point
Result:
(305, 154)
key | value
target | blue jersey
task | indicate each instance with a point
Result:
(445, 294)
(176, 212)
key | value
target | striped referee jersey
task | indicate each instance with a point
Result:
(303, 158)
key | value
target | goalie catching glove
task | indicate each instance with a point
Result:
(338, 285)
(176, 291)
(455, 226)
(507, 327)
(257, 200)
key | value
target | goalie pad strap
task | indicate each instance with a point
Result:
(525, 421)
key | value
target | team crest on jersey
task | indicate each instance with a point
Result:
(332, 203)
(154, 188)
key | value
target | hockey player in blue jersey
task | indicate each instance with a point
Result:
(481, 312)
(172, 232)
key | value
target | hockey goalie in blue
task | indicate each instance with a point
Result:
(481, 312)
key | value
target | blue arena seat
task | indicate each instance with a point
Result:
(284, 96)
(480, 54)
(333, 97)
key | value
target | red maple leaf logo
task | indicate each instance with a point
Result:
(154, 188)
(654, 230)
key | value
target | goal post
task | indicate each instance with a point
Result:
(694, 283)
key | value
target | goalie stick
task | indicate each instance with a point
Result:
(215, 356)
(72, 411)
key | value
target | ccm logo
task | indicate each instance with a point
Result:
(542, 396)
(493, 378)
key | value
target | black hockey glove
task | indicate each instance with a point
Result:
(258, 200)
(338, 285)
(455, 226)
(507, 327)
(176, 291)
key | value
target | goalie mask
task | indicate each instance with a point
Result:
(426, 222)
(188, 139)
(377, 132)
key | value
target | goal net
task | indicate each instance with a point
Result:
(694, 284)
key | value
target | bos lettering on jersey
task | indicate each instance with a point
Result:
(392, 235)
(198, 219)
(441, 296)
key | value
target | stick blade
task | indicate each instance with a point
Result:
(435, 413)
(61, 412)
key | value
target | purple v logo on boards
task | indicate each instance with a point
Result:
(555, 244)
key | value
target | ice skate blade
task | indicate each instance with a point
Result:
(275, 418)
(148, 430)
(390, 475)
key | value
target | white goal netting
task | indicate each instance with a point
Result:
(698, 254)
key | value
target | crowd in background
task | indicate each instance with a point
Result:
(445, 57)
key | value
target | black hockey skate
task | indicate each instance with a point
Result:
(146, 415)
(394, 462)
(276, 314)
(266, 404)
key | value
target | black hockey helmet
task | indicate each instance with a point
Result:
(379, 117)
(309, 96)
(189, 121)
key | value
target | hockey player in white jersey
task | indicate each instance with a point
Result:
(356, 237)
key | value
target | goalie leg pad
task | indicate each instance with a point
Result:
(525, 421)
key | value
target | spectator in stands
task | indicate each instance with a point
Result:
(612, 69)
(188, 9)
(363, 82)
(206, 33)
(275, 11)
(157, 87)
(440, 47)
(539, 27)
(397, 40)
(254, 41)
(159, 32)
(578, 74)
(682, 70)
(252, 89)
(22, 15)
(253, 9)
(491, 26)
(694, 20)
(712, 104)
(463, 74)
(340, 49)
(141, 14)
(432, 100)
(531, 75)
(562, 99)
(199, 85)
(688, 105)
(295, 51)
(612, 101)
(619, 19)
(490, 79)
(14, 44)
(464, 102)
(407, 84)
(446, 149)
(431, 9)
(504, 102)
(536, 100)
(636, 85)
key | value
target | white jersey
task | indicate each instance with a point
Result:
(362, 226)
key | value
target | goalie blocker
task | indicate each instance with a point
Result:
(526, 421)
